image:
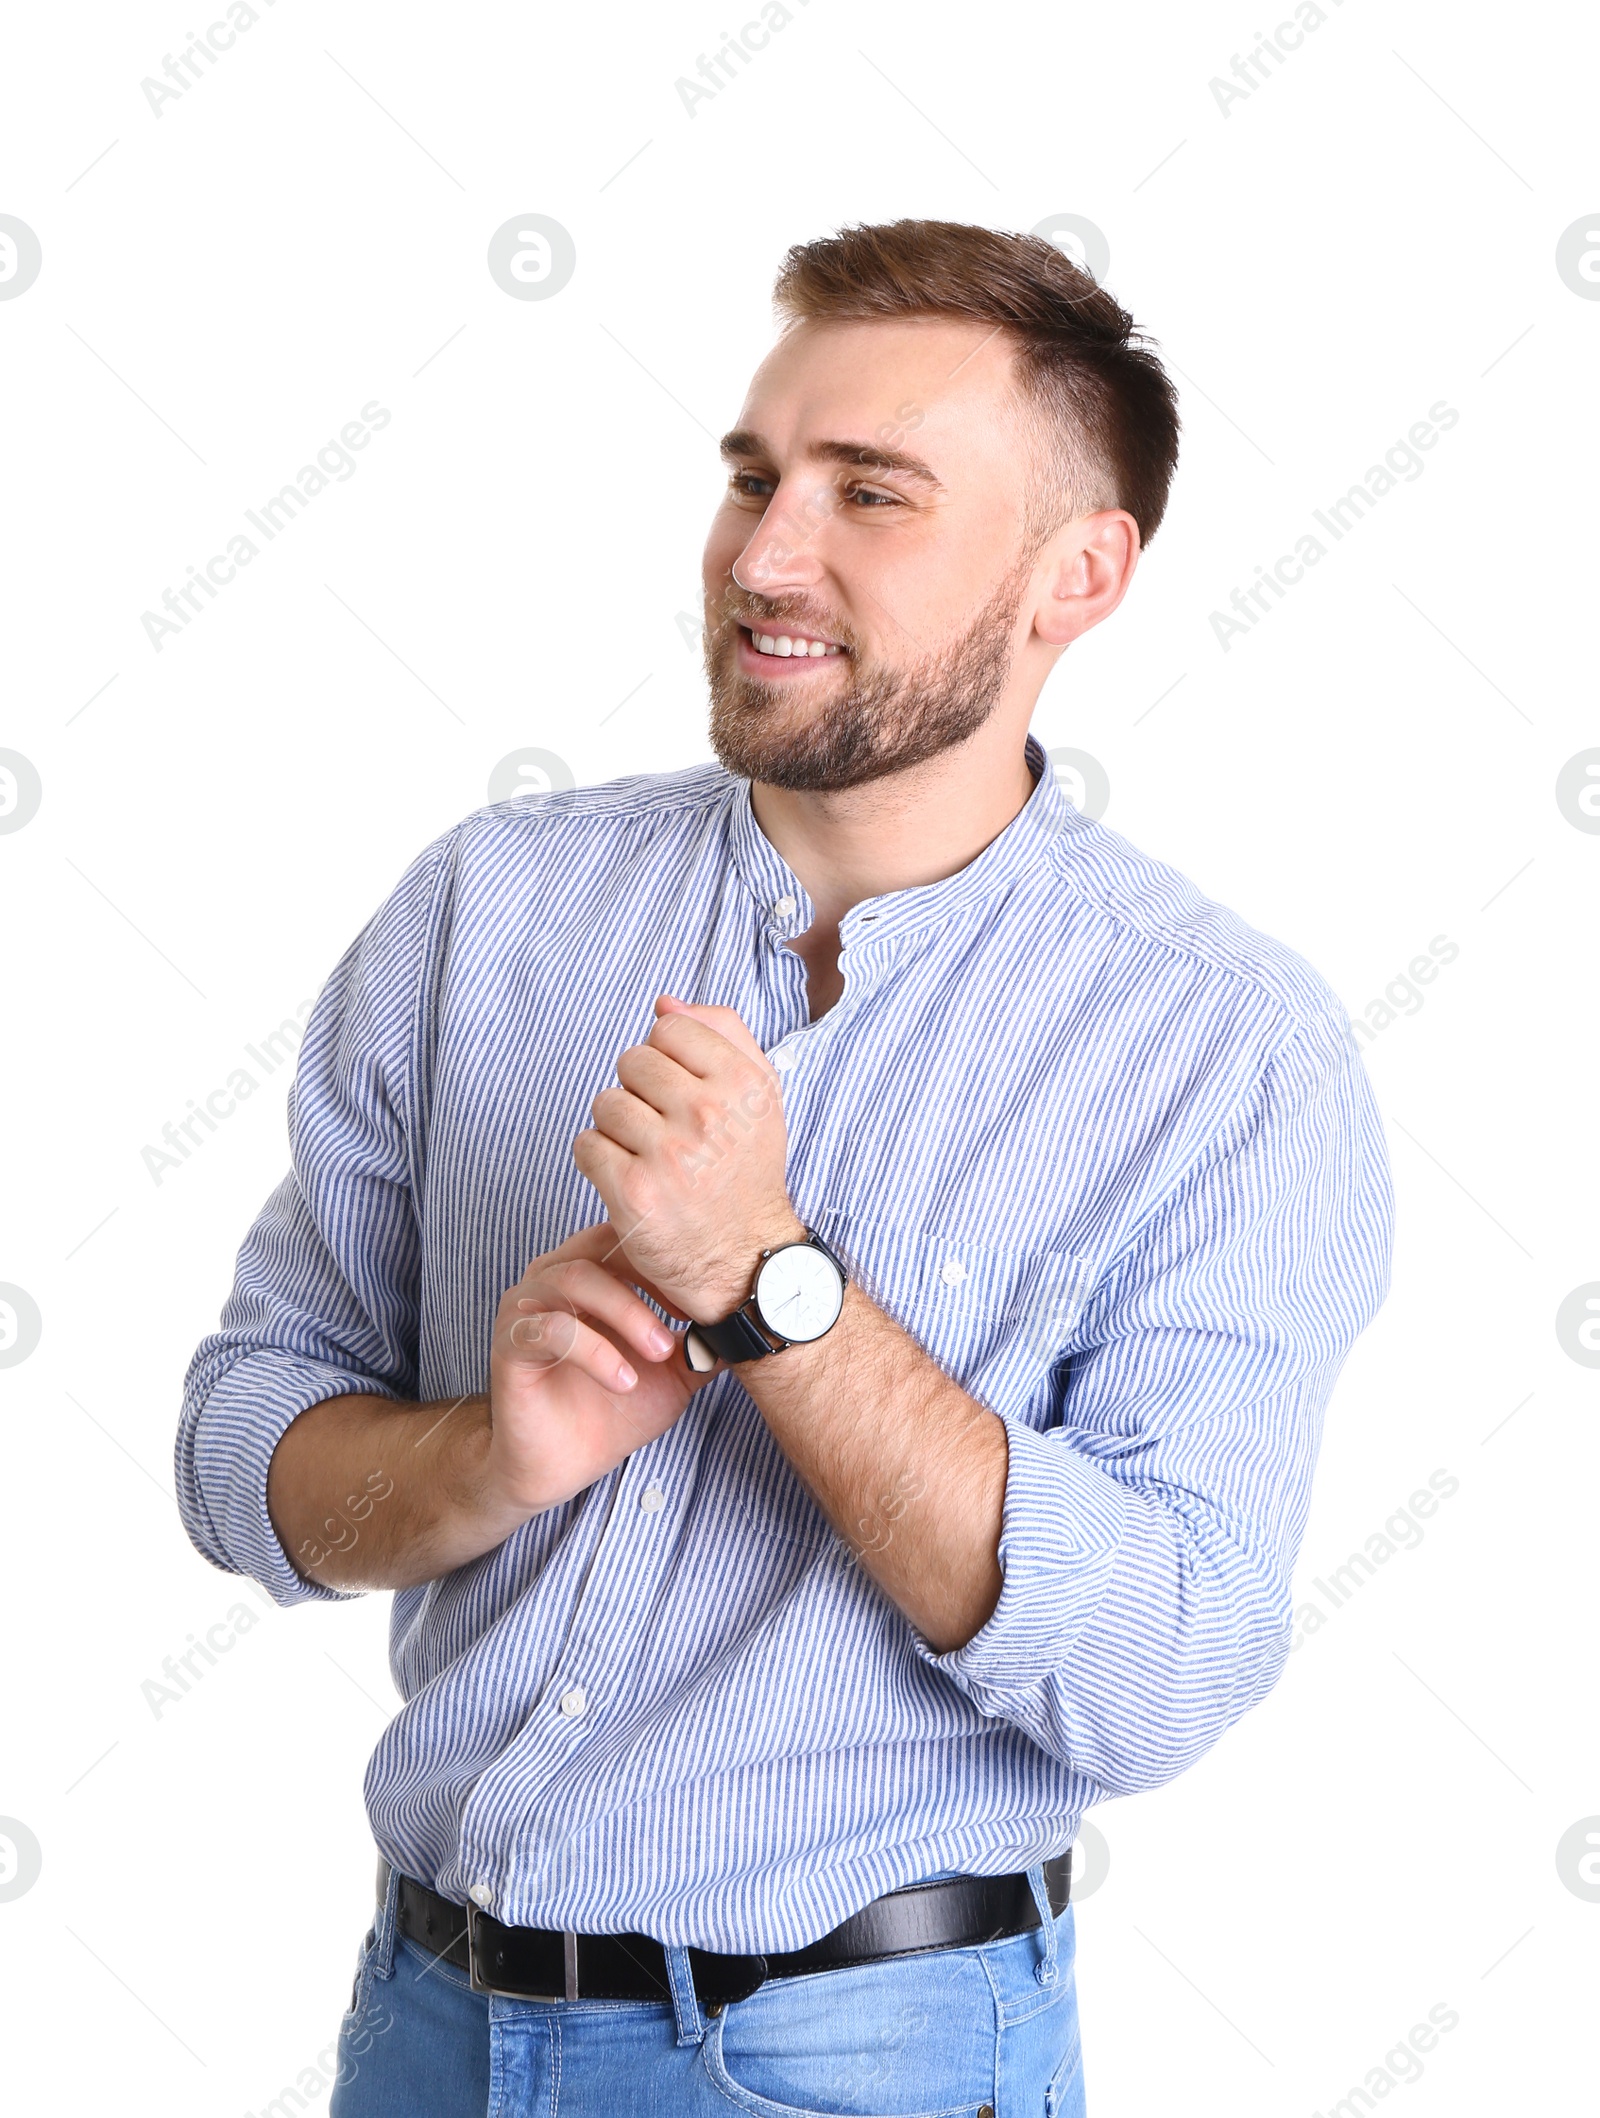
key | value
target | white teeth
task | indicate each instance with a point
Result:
(781, 644)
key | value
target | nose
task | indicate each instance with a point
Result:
(782, 550)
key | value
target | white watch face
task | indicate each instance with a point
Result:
(799, 1292)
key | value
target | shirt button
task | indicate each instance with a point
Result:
(782, 1058)
(783, 907)
(573, 1703)
(652, 1500)
(482, 1896)
(952, 1272)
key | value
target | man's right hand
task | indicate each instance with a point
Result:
(365, 1493)
(581, 1373)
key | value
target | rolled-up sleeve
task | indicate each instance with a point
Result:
(325, 1292)
(1149, 1539)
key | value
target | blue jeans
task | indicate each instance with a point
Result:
(954, 2032)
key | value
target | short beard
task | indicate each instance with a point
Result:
(885, 719)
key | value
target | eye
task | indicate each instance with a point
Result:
(871, 497)
(750, 485)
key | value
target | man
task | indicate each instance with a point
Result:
(1024, 1203)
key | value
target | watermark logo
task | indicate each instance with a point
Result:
(186, 1669)
(1402, 1532)
(722, 69)
(1080, 240)
(20, 791)
(200, 52)
(1091, 1862)
(182, 1136)
(1577, 1325)
(357, 1507)
(1402, 461)
(1256, 68)
(1577, 257)
(1400, 995)
(337, 2064)
(529, 772)
(1402, 2062)
(324, 2071)
(1083, 780)
(1577, 1858)
(21, 1858)
(334, 460)
(20, 257)
(532, 257)
(1577, 790)
(20, 1325)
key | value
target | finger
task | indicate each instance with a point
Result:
(699, 1108)
(728, 1023)
(601, 1241)
(700, 1047)
(591, 1242)
(583, 1286)
(654, 1077)
(604, 1164)
(630, 1120)
(551, 1338)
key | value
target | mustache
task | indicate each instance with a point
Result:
(741, 607)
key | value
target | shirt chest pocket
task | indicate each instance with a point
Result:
(995, 1317)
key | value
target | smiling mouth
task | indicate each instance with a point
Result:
(781, 646)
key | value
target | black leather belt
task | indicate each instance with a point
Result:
(538, 1963)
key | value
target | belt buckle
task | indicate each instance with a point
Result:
(477, 1951)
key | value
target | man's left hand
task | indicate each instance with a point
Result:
(689, 1154)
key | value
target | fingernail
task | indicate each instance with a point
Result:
(626, 1376)
(661, 1341)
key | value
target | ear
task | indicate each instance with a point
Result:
(1084, 573)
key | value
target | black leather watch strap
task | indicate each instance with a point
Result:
(739, 1337)
(736, 1338)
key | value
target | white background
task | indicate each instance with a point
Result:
(224, 286)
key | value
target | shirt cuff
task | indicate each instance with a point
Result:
(224, 1453)
(1061, 1529)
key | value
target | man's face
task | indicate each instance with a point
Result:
(872, 537)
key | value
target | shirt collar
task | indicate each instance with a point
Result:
(786, 910)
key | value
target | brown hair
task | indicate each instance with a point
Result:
(1105, 410)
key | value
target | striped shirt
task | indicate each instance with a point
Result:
(1106, 1152)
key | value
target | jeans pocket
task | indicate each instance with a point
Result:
(908, 2037)
(1063, 2097)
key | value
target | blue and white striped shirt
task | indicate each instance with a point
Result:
(1108, 1153)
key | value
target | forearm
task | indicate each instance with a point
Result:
(910, 1471)
(365, 1493)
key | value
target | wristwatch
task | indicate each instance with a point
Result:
(797, 1297)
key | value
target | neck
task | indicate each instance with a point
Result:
(894, 833)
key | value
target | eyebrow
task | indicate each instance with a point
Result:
(857, 455)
